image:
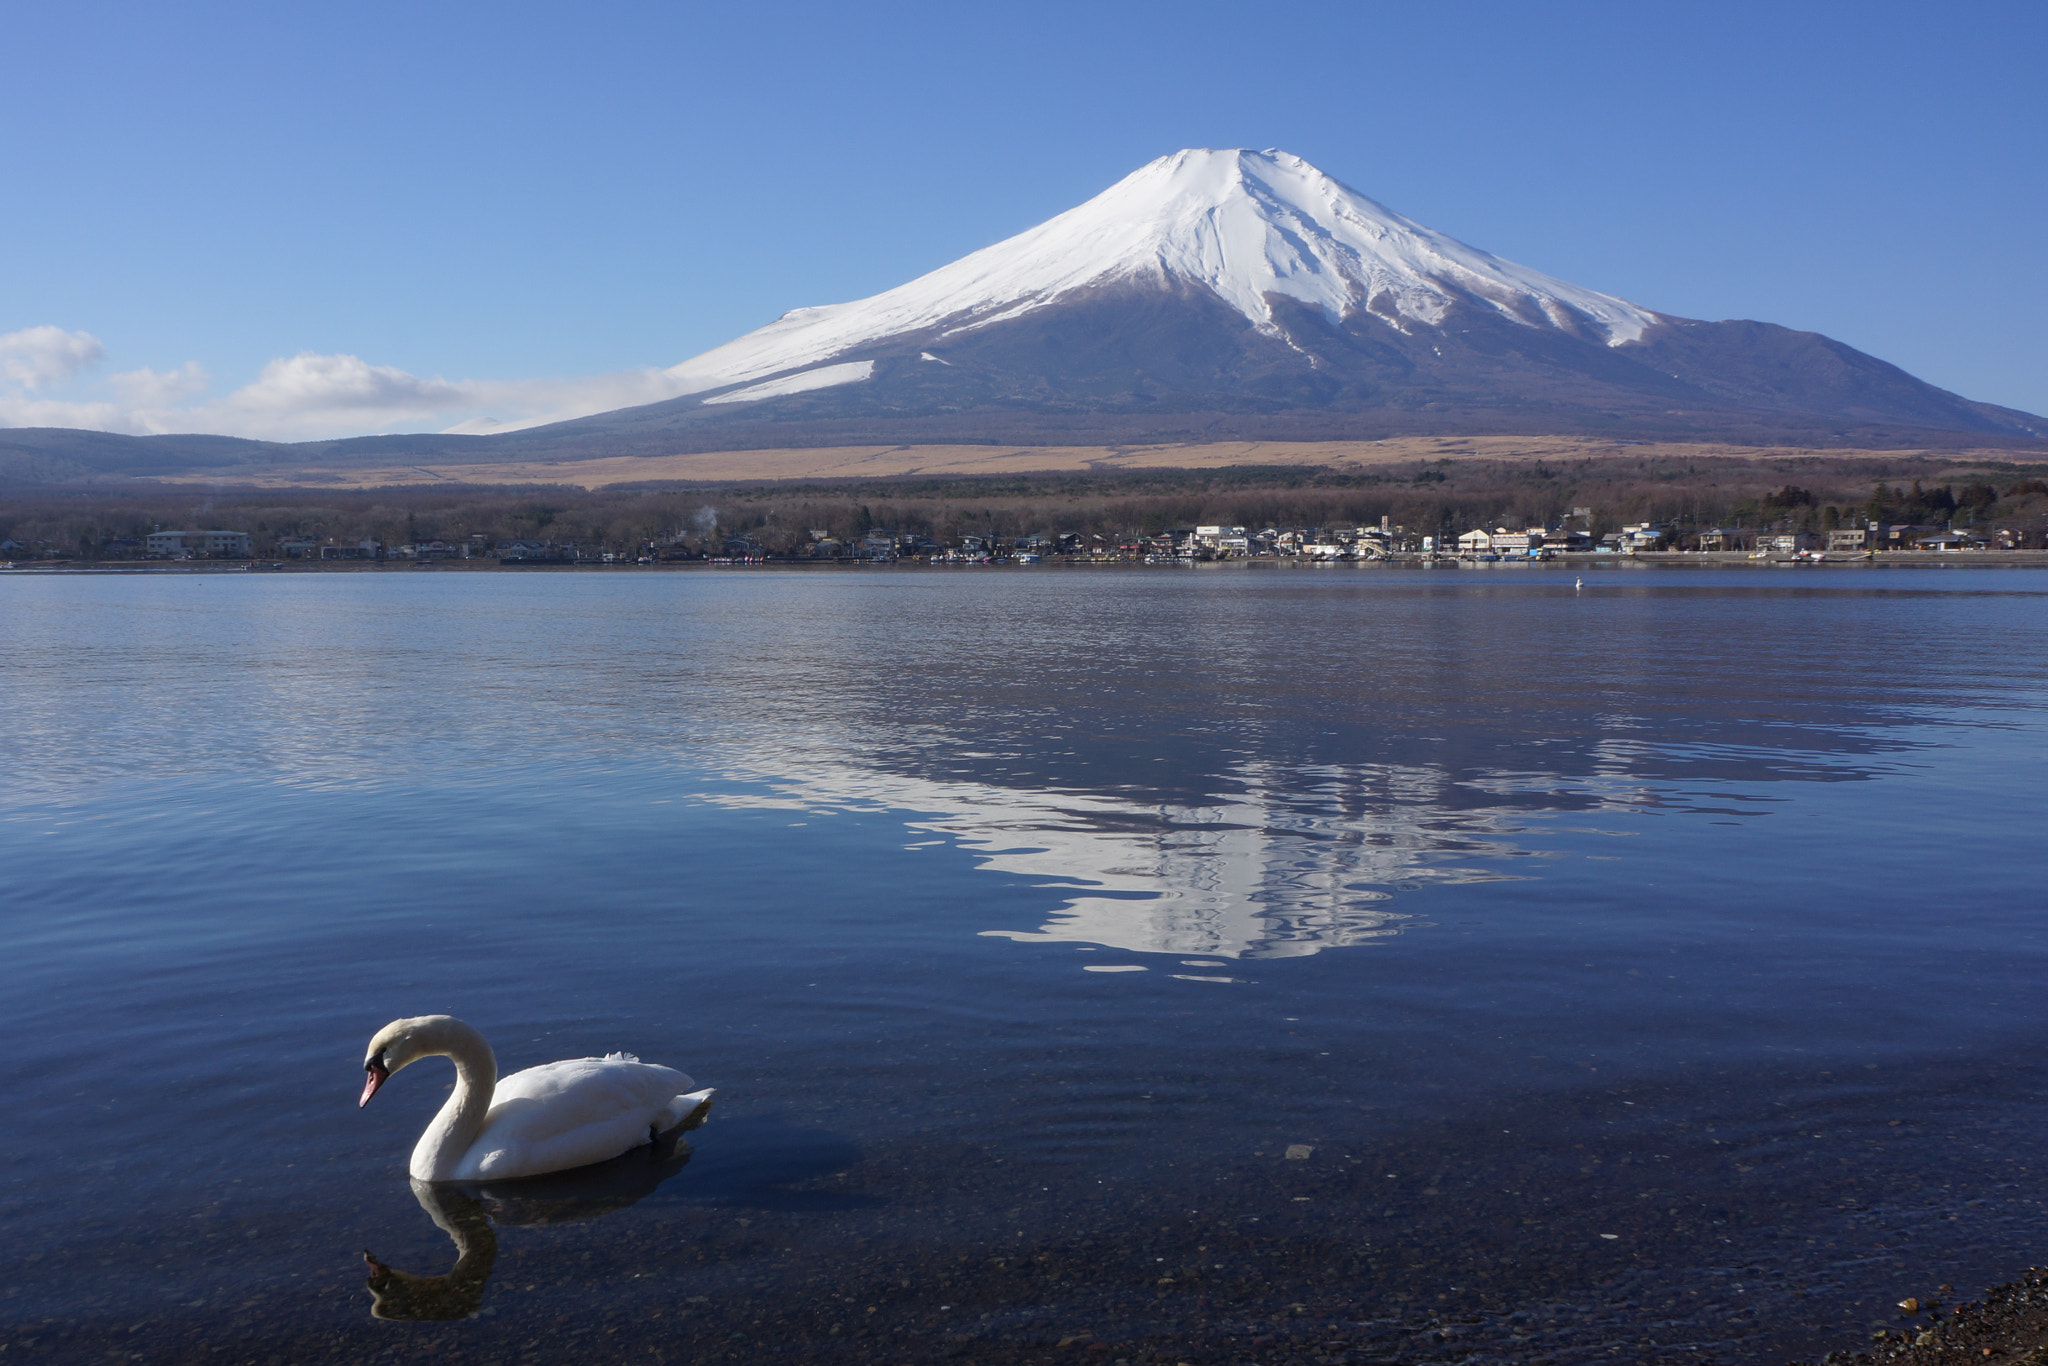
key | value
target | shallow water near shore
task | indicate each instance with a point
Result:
(1213, 967)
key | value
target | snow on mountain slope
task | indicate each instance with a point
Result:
(1242, 224)
(803, 382)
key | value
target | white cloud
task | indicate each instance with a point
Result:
(147, 388)
(311, 396)
(308, 384)
(305, 397)
(19, 411)
(37, 357)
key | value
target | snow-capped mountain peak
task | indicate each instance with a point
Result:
(1247, 226)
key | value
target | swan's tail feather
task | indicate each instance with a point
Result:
(686, 1112)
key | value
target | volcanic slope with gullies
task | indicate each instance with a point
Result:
(1209, 297)
(1235, 294)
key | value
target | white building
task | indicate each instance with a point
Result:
(189, 545)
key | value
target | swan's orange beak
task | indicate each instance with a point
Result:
(374, 1077)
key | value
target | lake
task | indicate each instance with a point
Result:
(1212, 965)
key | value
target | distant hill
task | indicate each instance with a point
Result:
(1209, 296)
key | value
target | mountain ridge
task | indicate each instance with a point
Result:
(1211, 295)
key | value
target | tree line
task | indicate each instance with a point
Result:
(1443, 496)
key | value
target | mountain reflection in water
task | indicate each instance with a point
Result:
(1296, 860)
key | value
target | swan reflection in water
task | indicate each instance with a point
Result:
(466, 1211)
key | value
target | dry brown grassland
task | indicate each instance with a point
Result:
(926, 462)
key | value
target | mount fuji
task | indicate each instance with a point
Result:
(1234, 294)
(1264, 234)
(1209, 296)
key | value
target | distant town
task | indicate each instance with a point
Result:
(1189, 544)
(1441, 512)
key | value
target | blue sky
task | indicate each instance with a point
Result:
(251, 217)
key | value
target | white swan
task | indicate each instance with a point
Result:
(546, 1119)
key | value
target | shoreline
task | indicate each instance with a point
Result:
(1567, 560)
(2008, 1323)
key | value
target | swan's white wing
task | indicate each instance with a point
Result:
(631, 1081)
(569, 1114)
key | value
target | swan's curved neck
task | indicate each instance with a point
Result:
(442, 1146)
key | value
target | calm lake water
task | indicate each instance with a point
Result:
(1202, 966)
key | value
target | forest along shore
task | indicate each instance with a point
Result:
(1457, 504)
